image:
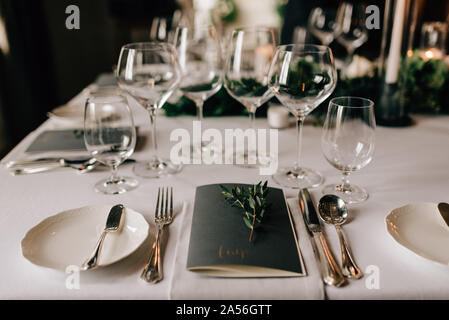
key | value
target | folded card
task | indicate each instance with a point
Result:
(66, 140)
(219, 241)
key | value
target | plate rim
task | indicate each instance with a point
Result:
(28, 233)
(402, 243)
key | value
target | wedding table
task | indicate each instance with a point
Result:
(410, 165)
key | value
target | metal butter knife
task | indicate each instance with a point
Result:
(330, 270)
(112, 225)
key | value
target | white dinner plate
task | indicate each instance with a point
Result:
(420, 228)
(69, 112)
(68, 238)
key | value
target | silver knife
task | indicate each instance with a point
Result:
(330, 270)
(41, 162)
(112, 225)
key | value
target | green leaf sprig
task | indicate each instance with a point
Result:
(252, 200)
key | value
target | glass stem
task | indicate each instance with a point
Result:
(345, 186)
(347, 62)
(252, 120)
(199, 114)
(152, 112)
(252, 123)
(114, 176)
(199, 109)
(299, 122)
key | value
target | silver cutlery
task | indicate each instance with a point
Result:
(47, 164)
(330, 270)
(43, 161)
(333, 211)
(163, 216)
(443, 207)
(62, 163)
(112, 225)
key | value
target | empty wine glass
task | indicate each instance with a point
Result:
(322, 24)
(348, 142)
(149, 71)
(301, 35)
(250, 51)
(199, 56)
(301, 77)
(352, 31)
(110, 136)
(159, 29)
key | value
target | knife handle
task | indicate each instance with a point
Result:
(92, 261)
(330, 270)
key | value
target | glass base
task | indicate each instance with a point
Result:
(196, 153)
(298, 179)
(156, 169)
(350, 194)
(258, 162)
(117, 186)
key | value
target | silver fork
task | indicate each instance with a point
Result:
(163, 216)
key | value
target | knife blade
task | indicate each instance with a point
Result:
(330, 270)
(443, 207)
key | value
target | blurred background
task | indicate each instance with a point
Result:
(43, 64)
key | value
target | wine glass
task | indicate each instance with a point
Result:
(250, 51)
(110, 136)
(159, 29)
(348, 142)
(199, 56)
(352, 32)
(301, 77)
(322, 24)
(149, 72)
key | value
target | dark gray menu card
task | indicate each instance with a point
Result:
(58, 140)
(219, 240)
(66, 140)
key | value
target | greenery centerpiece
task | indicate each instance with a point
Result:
(424, 84)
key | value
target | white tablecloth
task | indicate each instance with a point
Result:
(410, 165)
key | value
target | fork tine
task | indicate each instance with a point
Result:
(171, 202)
(157, 202)
(166, 204)
(161, 212)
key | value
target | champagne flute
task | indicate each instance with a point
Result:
(352, 32)
(149, 72)
(301, 77)
(348, 142)
(110, 136)
(250, 51)
(322, 24)
(199, 56)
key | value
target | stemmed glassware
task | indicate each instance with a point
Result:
(301, 77)
(348, 142)
(250, 52)
(110, 136)
(322, 24)
(351, 25)
(200, 59)
(149, 72)
(159, 30)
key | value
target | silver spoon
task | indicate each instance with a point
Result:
(333, 211)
